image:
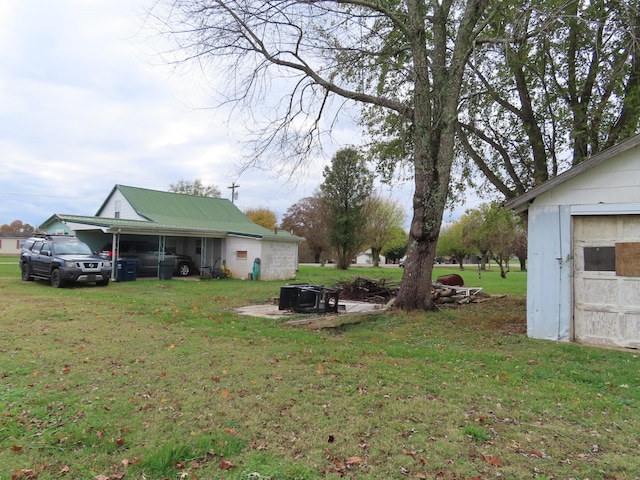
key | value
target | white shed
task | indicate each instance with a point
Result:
(584, 251)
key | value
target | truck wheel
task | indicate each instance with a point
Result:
(184, 269)
(27, 273)
(103, 283)
(56, 279)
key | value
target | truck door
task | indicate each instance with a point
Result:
(36, 263)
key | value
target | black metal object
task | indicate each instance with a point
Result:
(303, 298)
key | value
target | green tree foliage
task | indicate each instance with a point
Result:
(196, 188)
(553, 83)
(396, 247)
(306, 218)
(452, 243)
(263, 217)
(493, 231)
(346, 191)
(383, 217)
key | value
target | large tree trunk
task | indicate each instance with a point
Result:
(436, 97)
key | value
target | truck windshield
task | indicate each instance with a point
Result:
(75, 248)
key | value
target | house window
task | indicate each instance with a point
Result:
(241, 255)
(198, 246)
(600, 259)
(117, 212)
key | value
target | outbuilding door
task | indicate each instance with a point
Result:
(606, 286)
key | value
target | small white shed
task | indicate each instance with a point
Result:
(584, 251)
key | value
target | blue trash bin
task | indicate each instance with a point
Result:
(126, 269)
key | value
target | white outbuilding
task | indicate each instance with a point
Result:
(584, 251)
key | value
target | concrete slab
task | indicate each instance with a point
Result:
(271, 311)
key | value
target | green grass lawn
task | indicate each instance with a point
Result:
(158, 380)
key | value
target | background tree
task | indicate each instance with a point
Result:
(452, 243)
(383, 216)
(494, 231)
(396, 247)
(405, 59)
(521, 244)
(195, 187)
(17, 227)
(306, 218)
(346, 192)
(474, 235)
(262, 216)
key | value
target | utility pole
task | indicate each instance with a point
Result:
(233, 187)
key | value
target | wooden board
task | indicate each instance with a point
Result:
(628, 259)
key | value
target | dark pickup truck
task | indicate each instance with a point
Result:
(62, 259)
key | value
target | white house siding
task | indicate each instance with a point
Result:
(615, 181)
(236, 246)
(126, 210)
(11, 245)
(279, 260)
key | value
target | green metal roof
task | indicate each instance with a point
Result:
(176, 212)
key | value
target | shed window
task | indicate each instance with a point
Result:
(241, 255)
(600, 259)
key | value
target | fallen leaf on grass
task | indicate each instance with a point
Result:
(226, 465)
(24, 473)
(16, 448)
(320, 368)
(225, 393)
(491, 460)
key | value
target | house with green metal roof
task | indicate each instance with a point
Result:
(212, 231)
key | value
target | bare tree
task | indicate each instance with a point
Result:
(406, 58)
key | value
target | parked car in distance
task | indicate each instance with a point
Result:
(62, 259)
(147, 255)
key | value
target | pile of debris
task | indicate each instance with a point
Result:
(454, 294)
(381, 291)
(369, 290)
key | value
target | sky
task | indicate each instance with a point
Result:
(86, 103)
